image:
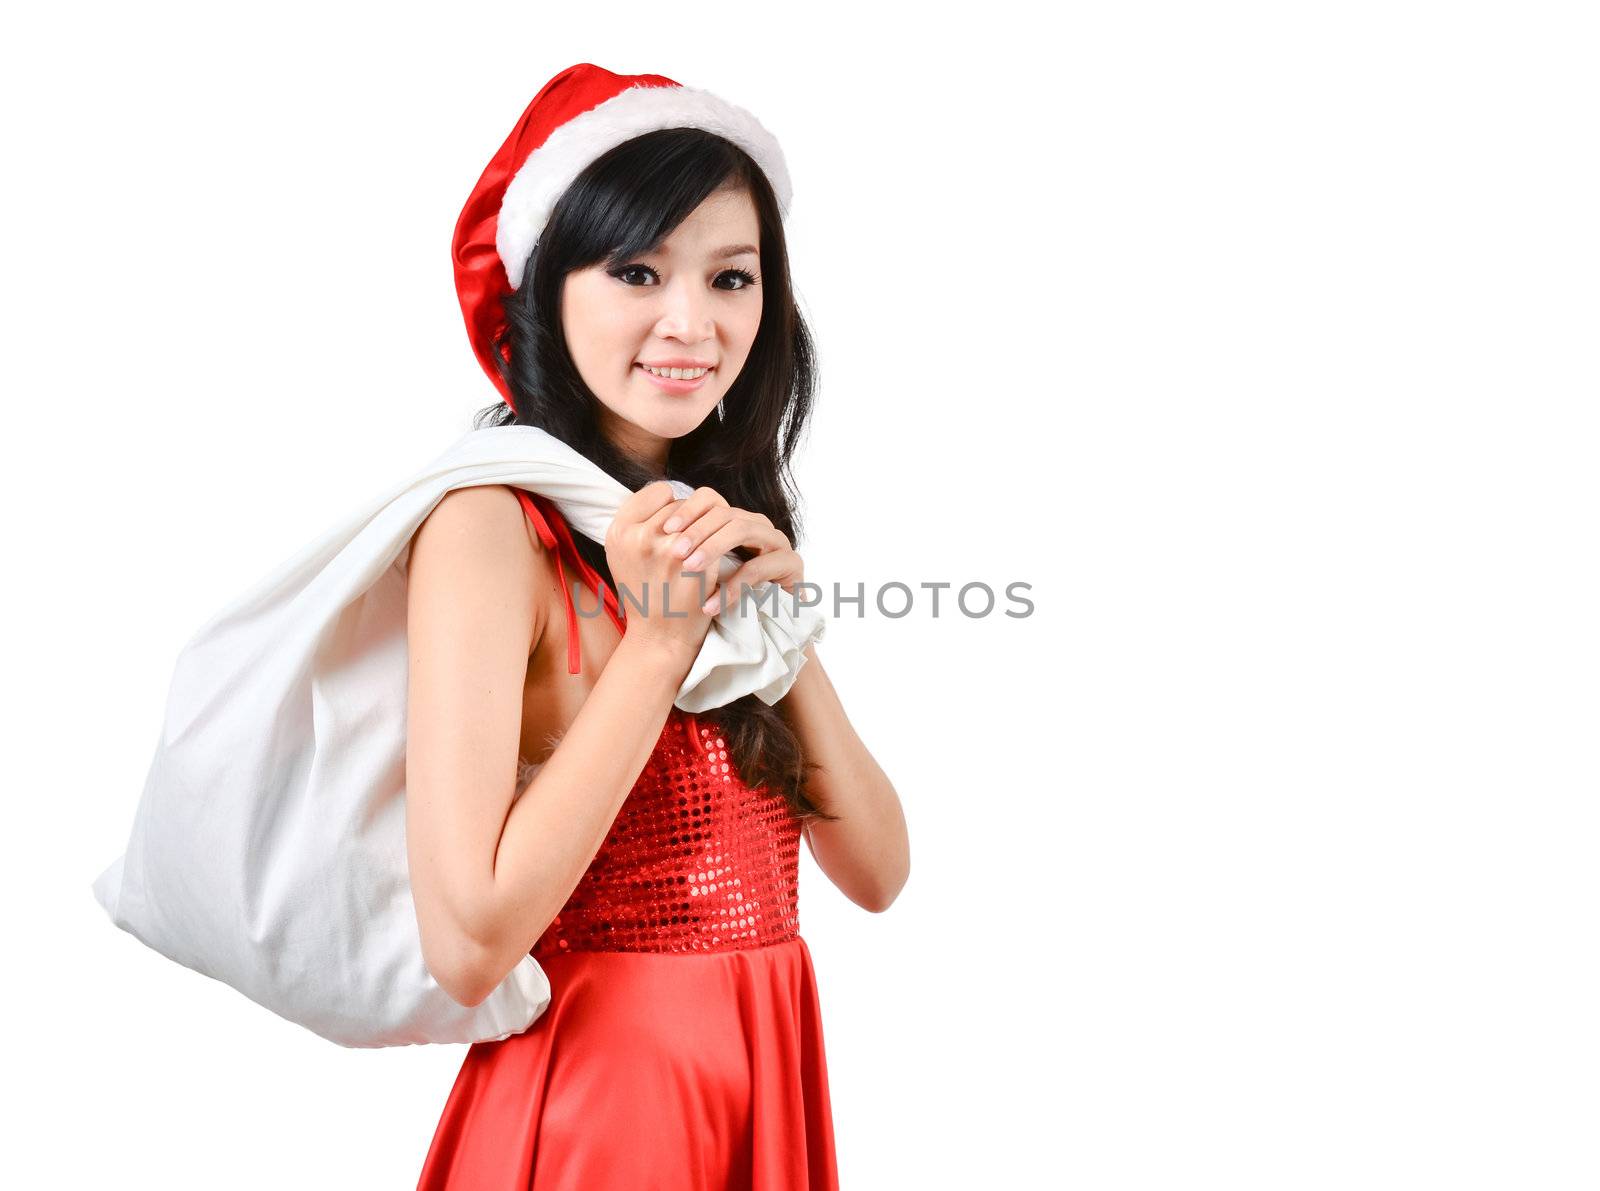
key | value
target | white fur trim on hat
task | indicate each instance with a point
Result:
(542, 179)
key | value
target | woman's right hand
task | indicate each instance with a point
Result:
(644, 565)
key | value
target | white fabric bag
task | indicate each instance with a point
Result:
(268, 850)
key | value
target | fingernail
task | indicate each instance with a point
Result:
(672, 524)
(710, 605)
(693, 561)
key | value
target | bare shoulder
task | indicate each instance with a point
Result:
(484, 522)
(476, 553)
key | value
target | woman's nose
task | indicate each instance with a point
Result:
(686, 314)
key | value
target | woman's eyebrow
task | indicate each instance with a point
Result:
(718, 254)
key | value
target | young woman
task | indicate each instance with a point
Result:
(558, 802)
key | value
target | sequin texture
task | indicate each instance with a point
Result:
(695, 861)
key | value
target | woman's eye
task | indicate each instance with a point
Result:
(637, 275)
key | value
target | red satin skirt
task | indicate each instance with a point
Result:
(676, 1071)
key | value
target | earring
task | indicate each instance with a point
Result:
(720, 412)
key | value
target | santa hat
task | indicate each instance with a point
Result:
(580, 114)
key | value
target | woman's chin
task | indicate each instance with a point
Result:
(672, 417)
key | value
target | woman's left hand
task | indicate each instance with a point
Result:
(707, 527)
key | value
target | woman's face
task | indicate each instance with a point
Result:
(693, 303)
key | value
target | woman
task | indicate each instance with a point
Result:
(558, 802)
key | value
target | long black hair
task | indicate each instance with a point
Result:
(625, 204)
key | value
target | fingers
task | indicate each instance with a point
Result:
(777, 567)
(706, 526)
(689, 542)
(693, 506)
(700, 528)
(736, 529)
(641, 515)
(646, 504)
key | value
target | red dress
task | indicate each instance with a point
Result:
(682, 1048)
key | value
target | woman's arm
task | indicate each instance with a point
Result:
(488, 874)
(866, 852)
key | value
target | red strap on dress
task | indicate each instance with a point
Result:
(556, 535)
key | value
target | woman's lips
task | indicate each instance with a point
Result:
(667, 385)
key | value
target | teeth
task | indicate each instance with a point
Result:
(676, 373)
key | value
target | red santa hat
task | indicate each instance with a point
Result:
(580, 114)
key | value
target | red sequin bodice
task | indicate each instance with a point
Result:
(696, 859)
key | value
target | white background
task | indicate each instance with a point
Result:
(1259, 339)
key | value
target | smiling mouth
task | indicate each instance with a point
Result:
(659, 370)
(668, 385)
